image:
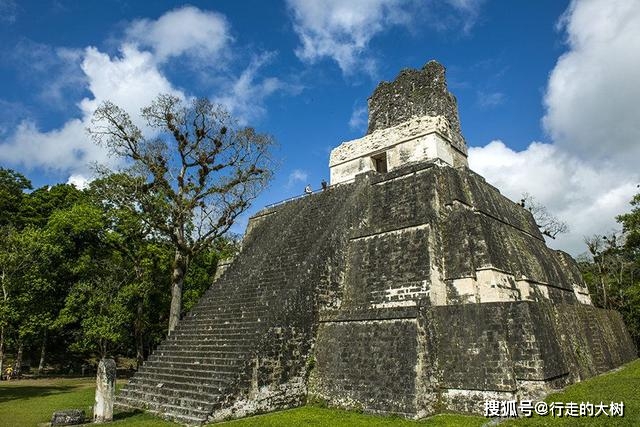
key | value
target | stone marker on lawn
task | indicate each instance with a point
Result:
(105, 391)
(68, 417)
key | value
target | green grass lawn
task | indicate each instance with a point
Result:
(622, 385)
(30, 402)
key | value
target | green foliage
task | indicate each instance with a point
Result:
(38, 206)
(631, 227)
(28, 260)
(12, 186)
(613, 271)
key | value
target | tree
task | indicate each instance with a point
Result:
(28, 304)
(12, 186)
(549, 224)
(190, 178)
(613, 270)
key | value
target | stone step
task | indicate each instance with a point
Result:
(196, 354)
(171, 397)
(218, 363)
(214, 318)
(176, 334)
(231, 304)
(206, 378)
(213, 349)
(222, 315)
(213, 344)
(180, 383)
(204, 332)
(194, 360)
(207, 326)
(220, 370)
(174, 413)
(167, 390)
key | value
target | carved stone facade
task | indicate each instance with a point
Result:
(415, 93)
(418, 139)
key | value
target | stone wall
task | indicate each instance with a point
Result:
(421, 138)
(410, 292)
(415, 93)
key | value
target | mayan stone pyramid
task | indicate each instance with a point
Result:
(411, 286)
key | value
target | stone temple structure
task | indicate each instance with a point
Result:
(411, 286)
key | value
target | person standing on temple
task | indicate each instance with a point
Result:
(307, 189)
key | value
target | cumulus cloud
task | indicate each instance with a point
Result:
(593, 91)
(297, 176)
(54, 72)
(245, 96)
(359, 117)
(131, 79)
(8, 11)
(342, 30)
(469, 11)
(585, 195)
(589, 173)
(59, 150)
(186, 30)
(490, 99)
(79, 181)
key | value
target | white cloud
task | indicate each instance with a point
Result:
(490, 99)
(54, 73)
(342, 30)
(67, 149)
(246, 94)
(593, 91)
(130, 80)
(359, 117)
(589, 174)
(8, 11)
(186, 30)
(469, 9)
(297, 176)
(79, 181)
(587, 196)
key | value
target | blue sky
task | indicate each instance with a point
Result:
(547, 90)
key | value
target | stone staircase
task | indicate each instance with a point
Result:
(190, 374)
(210, 358)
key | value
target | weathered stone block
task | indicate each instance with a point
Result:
(105, 391)
(68, 417)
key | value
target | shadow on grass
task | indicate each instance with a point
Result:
(126, 414)
(28, 391)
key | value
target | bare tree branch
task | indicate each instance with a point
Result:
(193, 174)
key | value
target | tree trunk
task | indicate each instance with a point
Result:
(177, 279)
(4, 297)
(42, 352)
(1, 350)
(17, 366)
(139, 335)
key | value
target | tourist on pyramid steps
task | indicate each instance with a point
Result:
(307, 189)
(324, 185)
